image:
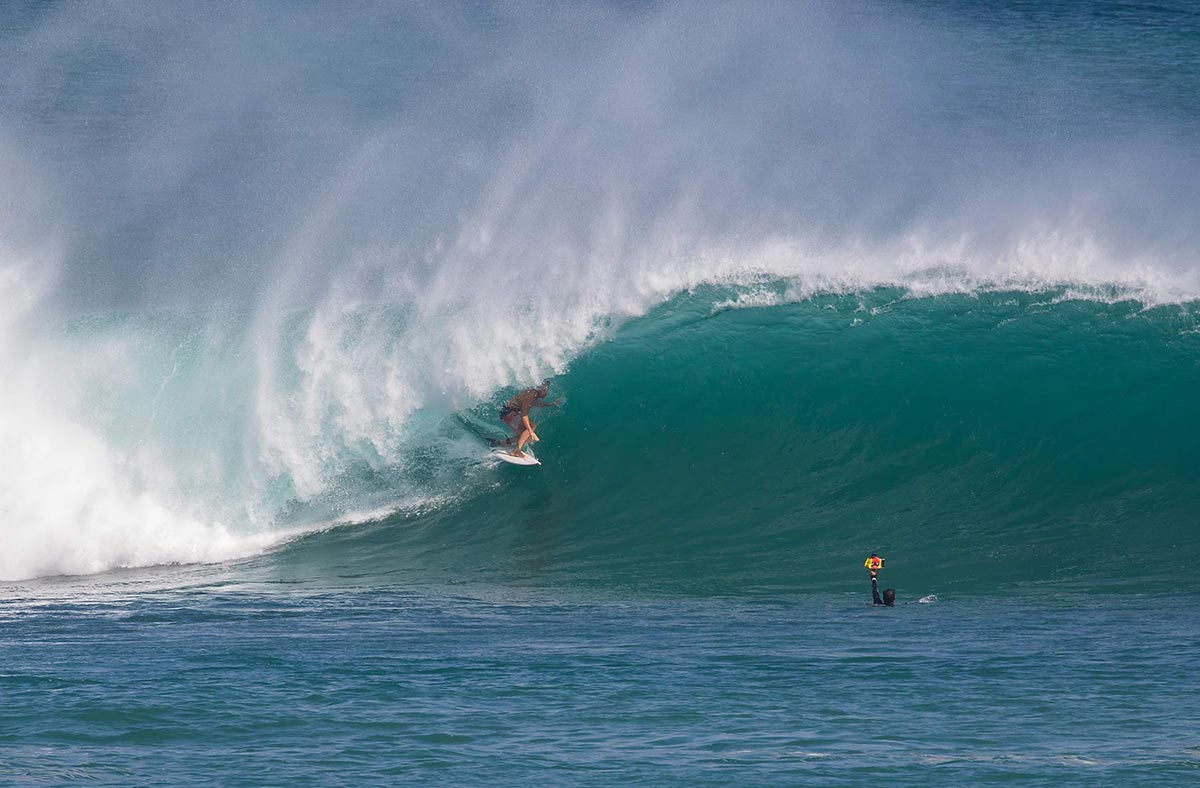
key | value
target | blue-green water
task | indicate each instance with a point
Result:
(232, 683)
(676, 596)
(812, 281)
(997, 442)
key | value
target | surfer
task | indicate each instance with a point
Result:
(515, 414)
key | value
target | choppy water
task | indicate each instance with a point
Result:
(244, 684)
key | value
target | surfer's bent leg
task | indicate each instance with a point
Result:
(526, 433)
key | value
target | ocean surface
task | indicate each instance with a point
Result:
(808, 281)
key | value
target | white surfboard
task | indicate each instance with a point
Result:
(504, 455)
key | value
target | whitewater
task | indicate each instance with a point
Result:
(813, 280)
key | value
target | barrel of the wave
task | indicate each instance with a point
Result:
(873, 564)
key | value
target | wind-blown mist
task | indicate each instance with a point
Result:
(253, 254)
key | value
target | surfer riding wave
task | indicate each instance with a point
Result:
(515, 414)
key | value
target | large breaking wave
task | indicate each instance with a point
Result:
(252, 260)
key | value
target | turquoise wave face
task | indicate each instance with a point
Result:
(245, 294)
(980, 443)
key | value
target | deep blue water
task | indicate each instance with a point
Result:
(243, 684)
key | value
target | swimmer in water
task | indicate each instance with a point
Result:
(874, 564)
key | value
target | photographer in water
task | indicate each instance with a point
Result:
(874, 564)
